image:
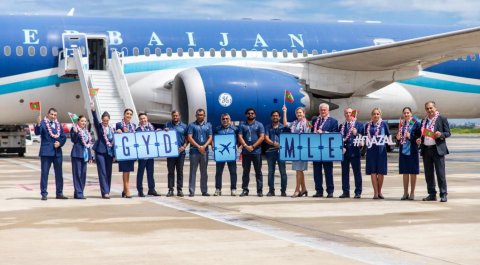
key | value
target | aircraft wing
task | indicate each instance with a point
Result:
(424, 51)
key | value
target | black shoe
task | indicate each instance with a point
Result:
(79, 198)
(106, 196)
(180, 193)
(357, 196)
(124, 195)
(61, 197)
(303, 193)
(443, 198)
(191, 195)
(284, 194)
(244, 193)
(430, 198)
(330, 195)
(44, 197)
(271, 193)
(260, 194)
(153, 193)
(344, 195)
(140, 194)
(170, 193)
(380, 196)
(205, 194)
(318, 195)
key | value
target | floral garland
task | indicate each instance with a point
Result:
(319, 130)
(127, 127)
(377, 130)
(432, 124)
(303, 125)
(84, 134)
(49, 128)
(148, 125)
(403, 131)
(342, 130)
(105, 128)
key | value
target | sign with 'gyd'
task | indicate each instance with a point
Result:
(311, 147)
(144, 145)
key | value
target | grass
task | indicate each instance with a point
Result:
(465, 130)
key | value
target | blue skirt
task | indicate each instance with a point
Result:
(376, 162)
(409, 164)
(299, 165)
(126, 166)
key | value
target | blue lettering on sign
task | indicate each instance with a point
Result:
(126, 149)
(146, 142)
(310, 144)
(146, 145)
(168, 143)
(288, 143)
(168, 146)
(330, 141)
(311, 147)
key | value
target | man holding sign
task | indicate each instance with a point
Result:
(435, 129)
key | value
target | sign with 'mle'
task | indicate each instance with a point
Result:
(311, 147)
(144, 145)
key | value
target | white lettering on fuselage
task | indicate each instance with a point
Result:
(298, 40)
(191, 41)
(260, 40)
(115, 37)
(31, 36)
(155, 38)
(224, 42)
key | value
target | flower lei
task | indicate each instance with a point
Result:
(84, 133)
(303, 124)
(342, 130)
(127, 127)
(148, 125)
(403, 131)
(377, 130)
(319, 130)
(49, 128)
(109, 144)
(432, 124)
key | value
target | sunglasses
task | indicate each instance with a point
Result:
(250, 113)
(225, 119)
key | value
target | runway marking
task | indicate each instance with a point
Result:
(25, 187)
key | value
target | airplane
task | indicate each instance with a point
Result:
(157, 65)
(226, 147)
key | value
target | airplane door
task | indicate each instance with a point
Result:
(72, 41)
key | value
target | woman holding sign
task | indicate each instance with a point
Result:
(126, 126)
(376, 162)
(300, 125)
(81, 154)
(103, 151)
(408, 161)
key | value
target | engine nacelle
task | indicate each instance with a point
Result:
(232, 89)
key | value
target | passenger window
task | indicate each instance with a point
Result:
(212, 52)
(191, 53)
(169, 52)
(275, 53)
(201, 51)
(324, 51)
(244, 53)
(233, 52)
(304, 53)
(146, 51)
(43, 51)
(7, 51)
(135, 51)
(472, 57)
(55, 51)
(314, 52)
(158, 51)
(31, 51)
(295, 53)
(19, 51)
(285, 53)
(222, 52)
(180, 52)
(463, 58)
(264, 53)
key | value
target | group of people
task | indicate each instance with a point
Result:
(251, 134)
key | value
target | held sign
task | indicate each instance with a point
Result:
(316, 147)
(145, 145)
(225, 147)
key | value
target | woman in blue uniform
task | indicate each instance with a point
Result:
(81, 154)
(103, 148)
(408, 161)
(300, 125)
(376, 164)
(145, 126)
(126, 166)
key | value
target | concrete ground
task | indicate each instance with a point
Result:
(234, 230)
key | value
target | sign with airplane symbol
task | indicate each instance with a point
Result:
(225, 147)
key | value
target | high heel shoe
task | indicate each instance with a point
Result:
(404, 197)
(303, 193)
(125, 195)
(296, 194)
(411, 197)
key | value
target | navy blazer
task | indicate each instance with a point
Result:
(355, 151)
(414, 135)
(118, 125)
(47, 141)
(331, 125)
(78, 147)
(100, 145)
(441, 125)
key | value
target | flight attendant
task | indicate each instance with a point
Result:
(300, 125)
(52, 140)
(126, 126)
(408, 160)
(376, 161)
(145, 126)
(81, 154)
(103, 151)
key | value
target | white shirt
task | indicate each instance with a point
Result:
(427, 140)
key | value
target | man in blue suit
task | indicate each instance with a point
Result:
(324, 124)
(52, 140)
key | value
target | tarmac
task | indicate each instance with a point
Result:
(240, 230)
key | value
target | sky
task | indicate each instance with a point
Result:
(444, 12)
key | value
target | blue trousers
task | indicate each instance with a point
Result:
(232, 168)
(104, 169)
(318, 176)
(247, 161)
(195, 161)
(357, 174)
(45, 163)
(142, 165)
(79, 172)
(272, 159)
(175, 163)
